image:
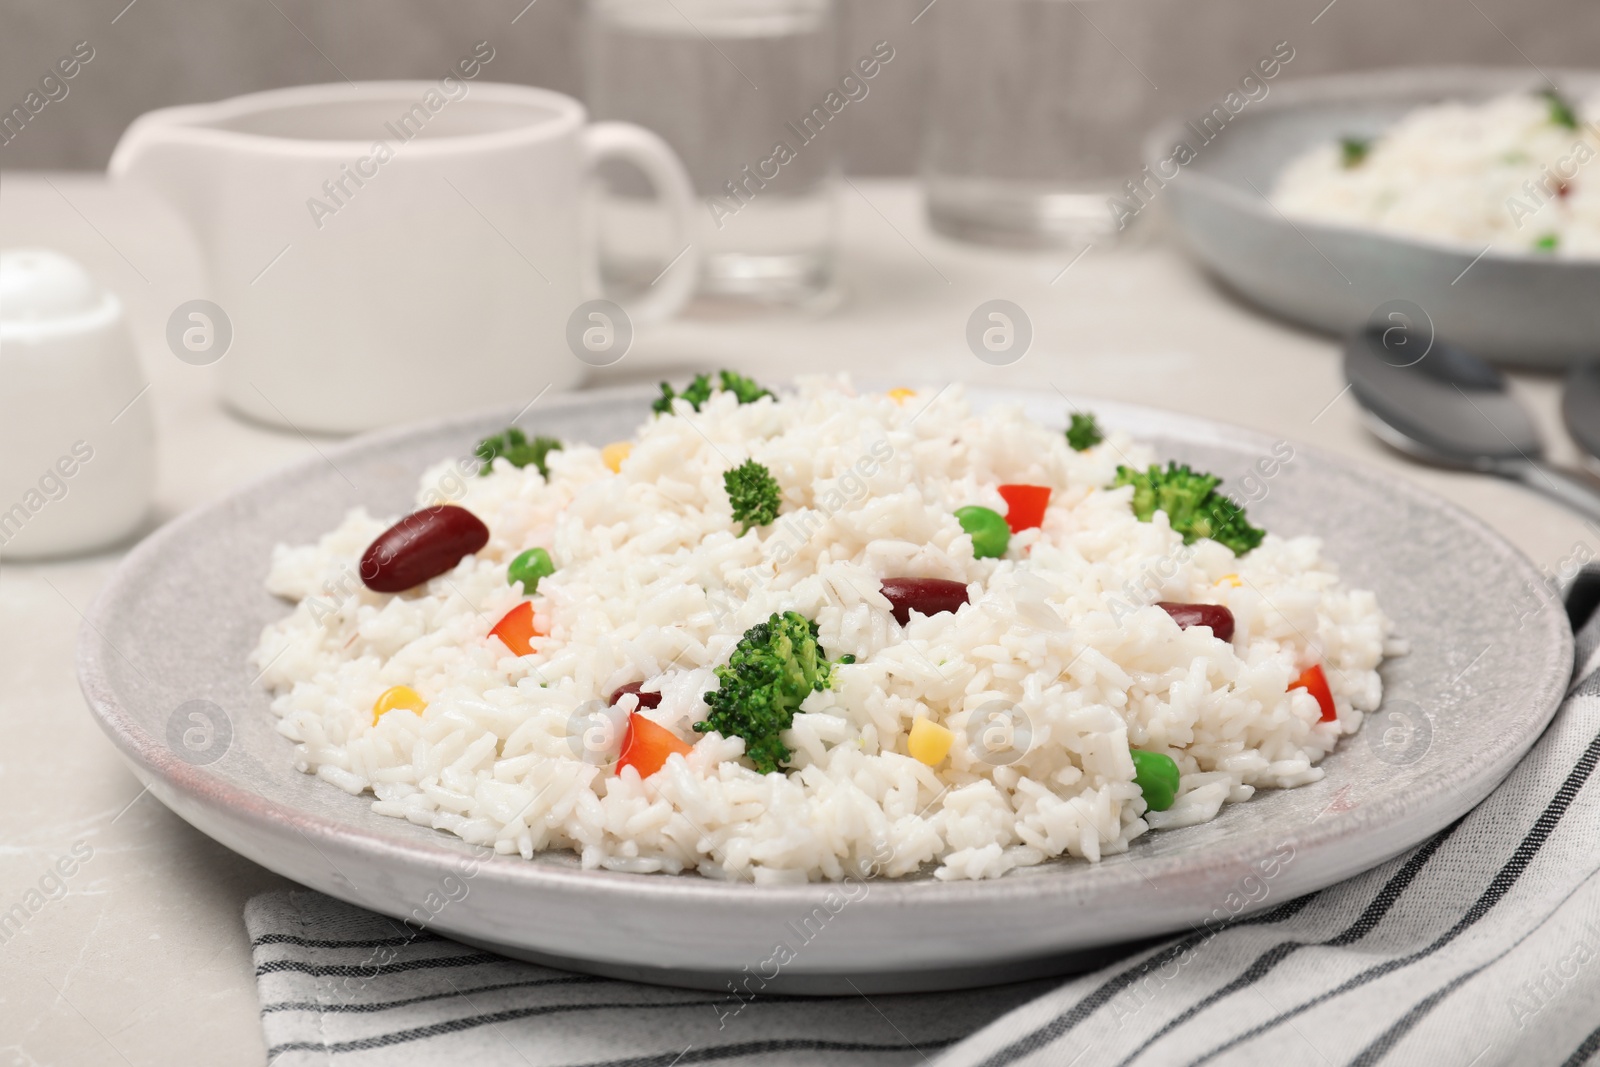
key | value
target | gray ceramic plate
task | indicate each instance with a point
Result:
(1523, 309)
(175, 623)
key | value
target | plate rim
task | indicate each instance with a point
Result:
(153, 761)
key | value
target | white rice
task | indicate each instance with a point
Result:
(1481, 174)
(654, 583)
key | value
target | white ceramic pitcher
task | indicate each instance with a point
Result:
(388, 251)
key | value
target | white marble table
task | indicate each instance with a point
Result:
(144, 960)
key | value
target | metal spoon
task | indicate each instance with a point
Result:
(1450, 408)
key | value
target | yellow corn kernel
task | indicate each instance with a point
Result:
(1230, 580)
(900, 396)
(614, 453)
(929, 742)
(399, 696)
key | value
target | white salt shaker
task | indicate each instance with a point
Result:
(77, 440)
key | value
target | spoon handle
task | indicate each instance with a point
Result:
(1554, 482)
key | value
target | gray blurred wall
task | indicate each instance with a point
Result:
(160, 52)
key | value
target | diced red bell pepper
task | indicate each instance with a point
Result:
(646, 746)
(516, 629)
(1025, 505)
(1313, 681)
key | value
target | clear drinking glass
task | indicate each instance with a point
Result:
(730, 85)
(1035, 114)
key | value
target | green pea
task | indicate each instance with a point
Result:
(990, 534)
(528, 568)
(1157, 776)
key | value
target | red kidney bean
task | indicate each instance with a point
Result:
(1219, 618)
(927, 595)
(420, 546)
(646, 700)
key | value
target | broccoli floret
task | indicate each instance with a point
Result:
(776, 665)
(754, 494)
(1193, 506)
(514, 445)
(1353, 151)
(1561, 113)
(744, 388)
(696, 393)
(1084, 432)
(699, 391)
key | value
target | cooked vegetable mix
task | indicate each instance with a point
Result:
(528, 568)
(930, 596)
(744, 388)
(398, 696)
(1315, 682)
(1084, 433)
(646, 700)
(928, 742)
(646, 746)
(1156, 775)
(1561, 112)
(776, 665)
(614, 454)
(513, 445)
(754, 494)
(1353, 151)
(420, 547)
(953, 560)
(1219, 618)
(516, 629)
(1025, 505)
(1193, 506)
(699, 390)
(990, 533)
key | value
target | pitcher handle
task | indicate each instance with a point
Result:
(637, 145)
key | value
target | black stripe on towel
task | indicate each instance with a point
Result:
(451, 1026)
(1498, 887)
(1363, 925)
(385, 1005)
(1113, 986)
(1385, 1042)
(712, 1053)
(374, 942)
(1381, 1045)
(1584, 1052)
(379, 970)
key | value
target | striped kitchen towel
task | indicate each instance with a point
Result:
(342, 985)
(1479, 947)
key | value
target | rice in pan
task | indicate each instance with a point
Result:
(1037, 720)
